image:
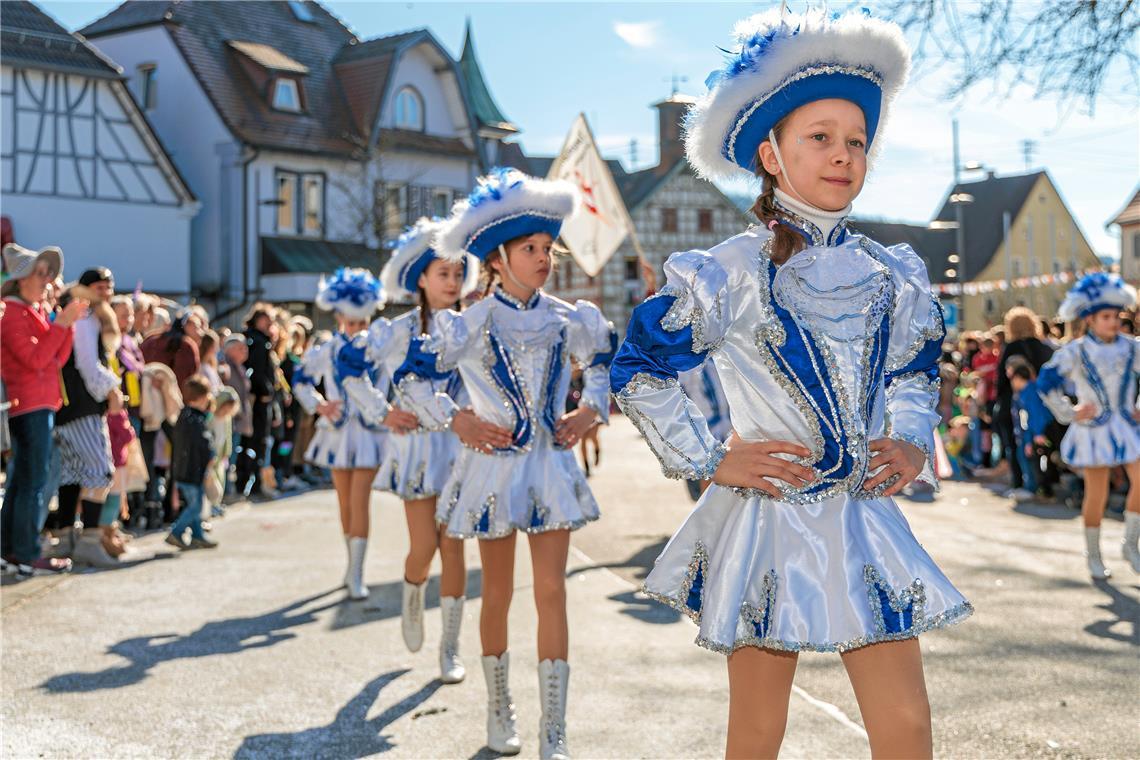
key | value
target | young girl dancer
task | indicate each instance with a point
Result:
(827, 346)
(348, 439)
(518, 472)
(1103, 367)
(417, 463)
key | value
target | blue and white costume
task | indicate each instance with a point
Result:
(1102, 374)
(415, 464)
(832, 350)
(702, 386)
(356, 439)
(515, 362)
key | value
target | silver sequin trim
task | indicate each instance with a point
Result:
(627, 401)
(698, 563)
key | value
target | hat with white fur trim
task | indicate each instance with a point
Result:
(412, 252)
(786, 60)
(505, 205)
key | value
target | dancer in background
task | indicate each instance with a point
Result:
(351, 409)
(1103, 366)
(417, 463)
(514, 350)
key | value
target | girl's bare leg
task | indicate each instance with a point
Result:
(757, 715)
(891, 691)
(548, 559)
(498, 558)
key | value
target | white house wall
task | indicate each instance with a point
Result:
(201, 147)
(418, 68)
(75, 172)
(150, 244)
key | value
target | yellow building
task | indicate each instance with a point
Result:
(1044, 240)
(1129, 222)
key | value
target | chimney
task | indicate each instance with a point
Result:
(670, 112)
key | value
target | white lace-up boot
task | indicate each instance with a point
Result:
(502, 736)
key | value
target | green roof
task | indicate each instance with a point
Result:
(486, 111)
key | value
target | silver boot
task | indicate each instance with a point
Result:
(502, 736)
(356, 549)
(1131, 539)
(412, 615)
(1092, 552)
(553, 680)
(451, 668)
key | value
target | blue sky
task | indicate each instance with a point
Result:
(545, 62)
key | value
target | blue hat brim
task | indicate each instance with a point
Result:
(859, 90)
(409, 279)
(488, 240)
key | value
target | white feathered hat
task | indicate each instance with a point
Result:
(784, 61)
(1095, 292)
(505, 204)
(411, 254)
(351, 292)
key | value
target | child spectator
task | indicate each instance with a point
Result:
(192, 458)
(1034, 420)
(226, 405)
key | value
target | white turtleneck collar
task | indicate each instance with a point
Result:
(826, 223)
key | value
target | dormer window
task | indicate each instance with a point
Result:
(286, 95)
(409, 109)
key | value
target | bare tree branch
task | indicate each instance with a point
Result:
(1062, 48)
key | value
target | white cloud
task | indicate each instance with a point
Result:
(642, 34)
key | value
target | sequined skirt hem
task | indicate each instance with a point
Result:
(351, 446)
(945, 619)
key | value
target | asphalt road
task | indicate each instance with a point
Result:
(253, 651)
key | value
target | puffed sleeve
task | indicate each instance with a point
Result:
(670, 333)
(353, 369)
(315, 364)
(911, 379)
(451, 339)
(433, 357)
(1054, 377)
(593, 341)
(380, 334)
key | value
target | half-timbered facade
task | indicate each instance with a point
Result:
(80, 166)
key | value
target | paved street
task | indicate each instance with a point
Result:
(253, 651)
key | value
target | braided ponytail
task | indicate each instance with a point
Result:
(784, 242)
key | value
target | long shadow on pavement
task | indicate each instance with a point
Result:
(235, 635)
(1125, 608)
(384, 600)
(634, 604)
(350, 734)
(219, 637)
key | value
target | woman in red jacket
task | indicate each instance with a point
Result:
(32, 351)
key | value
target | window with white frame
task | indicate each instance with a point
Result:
(409, 109)
(286, 201)
(286, 95)
(441, 202)
(313, 210)
(300, 203)
(148, 86)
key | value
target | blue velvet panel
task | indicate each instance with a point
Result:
(651, 349)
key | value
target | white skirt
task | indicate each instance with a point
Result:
(416, 465)
(1115, 442)
(492, 495)
(830, 576)
(350, 446)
